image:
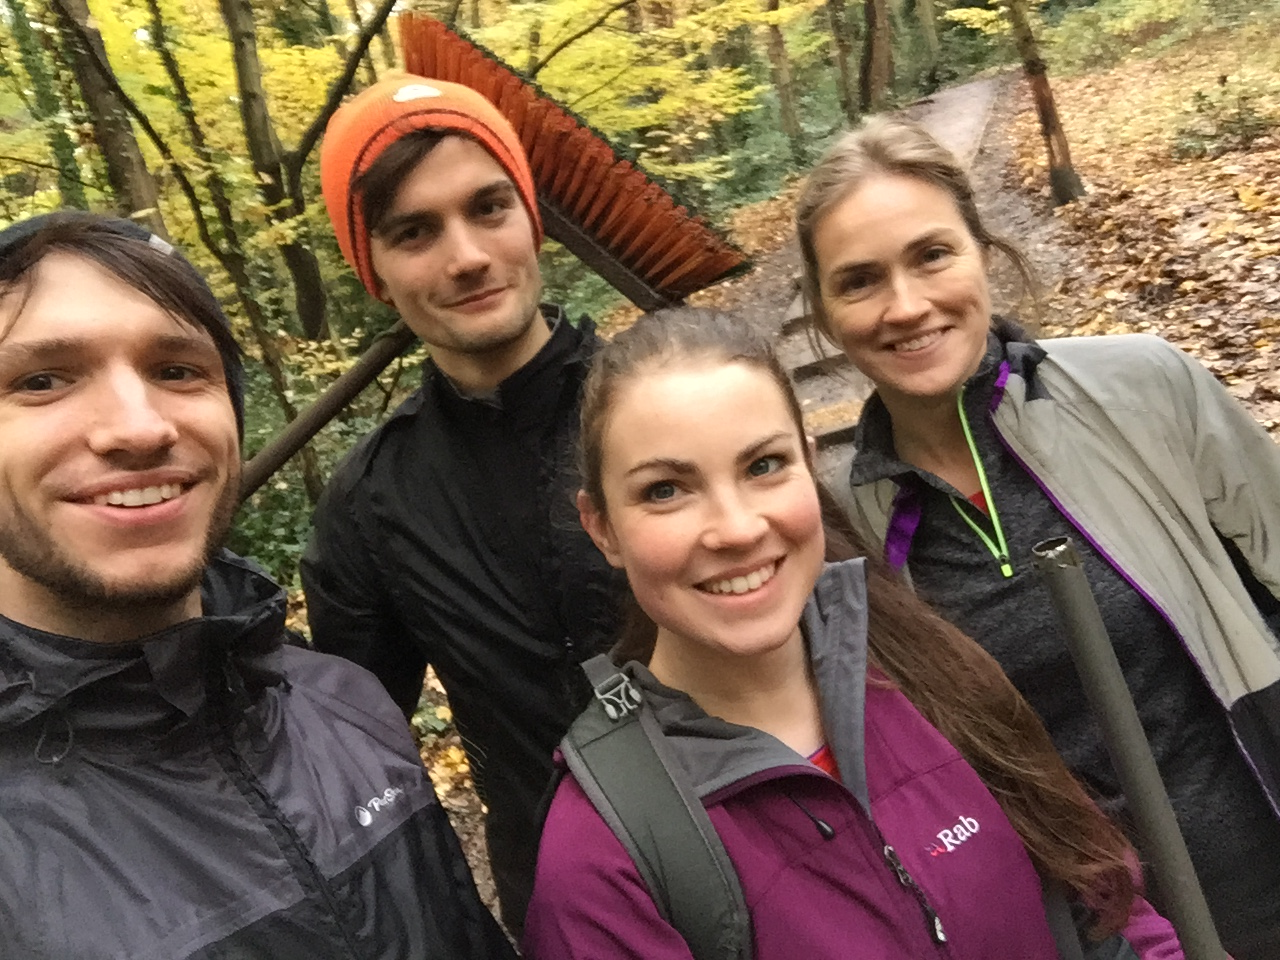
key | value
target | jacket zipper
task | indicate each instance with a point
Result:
(932, 921)
(307, 873)
(999, 548)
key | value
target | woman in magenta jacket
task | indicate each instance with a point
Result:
(880, 787)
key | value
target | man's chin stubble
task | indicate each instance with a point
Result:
(30, 552)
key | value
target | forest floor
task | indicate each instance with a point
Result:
(1169, 242)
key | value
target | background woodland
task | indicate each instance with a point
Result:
(202, 118)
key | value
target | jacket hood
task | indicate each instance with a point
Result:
(834, 622)
(1010, 352)
(43, 673)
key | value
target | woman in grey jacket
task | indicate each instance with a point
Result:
(978, 443)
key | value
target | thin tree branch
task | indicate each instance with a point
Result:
(295, 159)
(608, 83)
(452, 18)
(389, 391)
(189, 191)
(195, 133)
(50, 166)
(578, 35)
(576, 104)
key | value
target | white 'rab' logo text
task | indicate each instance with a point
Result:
(952, 837)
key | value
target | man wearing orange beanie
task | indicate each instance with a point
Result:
(449, 535)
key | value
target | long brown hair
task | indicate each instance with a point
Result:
(1067, 837)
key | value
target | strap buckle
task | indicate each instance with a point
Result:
(618, 696)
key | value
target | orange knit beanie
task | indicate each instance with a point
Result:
(363, 127)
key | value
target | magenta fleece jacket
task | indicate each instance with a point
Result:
(906, 794)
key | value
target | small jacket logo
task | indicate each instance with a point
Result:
(365, 811)
(952, 837)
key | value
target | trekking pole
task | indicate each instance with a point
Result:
(1108, 695)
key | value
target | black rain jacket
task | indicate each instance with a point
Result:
(209, 792)
(450, 536)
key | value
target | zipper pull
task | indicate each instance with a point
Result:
(935, 925)
(1007, 569)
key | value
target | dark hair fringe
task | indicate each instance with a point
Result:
(122, 249)
(377, 186)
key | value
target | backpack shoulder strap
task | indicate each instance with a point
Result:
(1061, 922)
(620, 759)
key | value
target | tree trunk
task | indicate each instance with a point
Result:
(837, 18)
(736, 50)
(46, 107)
(1063, 179)
(370, 71)
(265, 153)
(231, 255)
(535, 44)
(927, 16)
(876, 72)
(389, 45)
(780, 68)
(661, 14)
(131, 182)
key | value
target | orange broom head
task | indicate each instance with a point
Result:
(634, 220)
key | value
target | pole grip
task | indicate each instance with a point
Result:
(1109, 697)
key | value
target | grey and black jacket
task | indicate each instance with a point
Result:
(211, 792)
(1171, 481)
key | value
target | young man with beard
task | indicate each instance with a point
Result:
(175, 780)
(449, 535)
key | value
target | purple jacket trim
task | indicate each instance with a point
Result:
(997, 393)
(904, 520)
(1076, 523)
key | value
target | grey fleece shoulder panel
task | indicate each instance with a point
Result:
(712, 753)
(700, 750)
(835, 623)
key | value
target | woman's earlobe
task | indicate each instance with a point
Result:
(598, 529)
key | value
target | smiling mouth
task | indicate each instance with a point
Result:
(139, 496)
(739, 585)
(476, 297)
(917, 343)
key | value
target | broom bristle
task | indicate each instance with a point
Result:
(578, 173)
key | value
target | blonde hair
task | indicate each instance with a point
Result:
(886, 146)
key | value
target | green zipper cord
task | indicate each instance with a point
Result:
(999, 549)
